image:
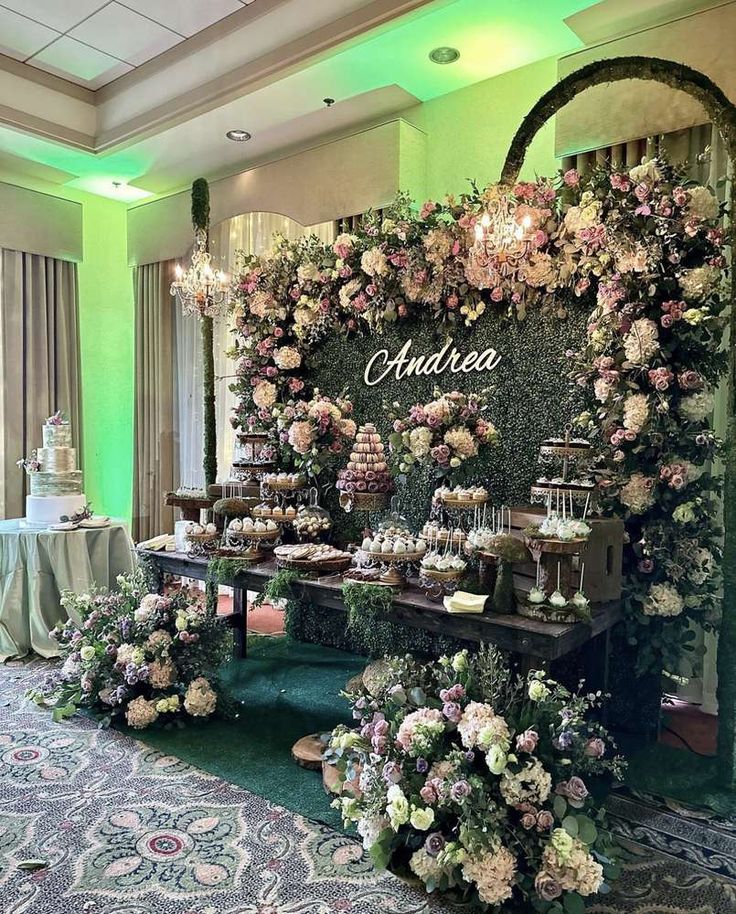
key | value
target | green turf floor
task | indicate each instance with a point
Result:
(288, 690)
(677, 774)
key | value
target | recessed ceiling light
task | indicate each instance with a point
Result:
(238, 136)
(444, 55)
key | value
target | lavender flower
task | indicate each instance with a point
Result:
(422, 765)
(460, 790)
(434, 844)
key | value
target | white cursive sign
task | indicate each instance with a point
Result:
(380, 365)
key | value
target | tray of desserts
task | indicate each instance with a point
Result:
(316, 557)
(249, 529)
(436, 533)
(266, 511)
(284, 482)
(394, 547)
(462, 496)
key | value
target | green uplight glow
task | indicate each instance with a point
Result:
(492, 36)
(94, 174)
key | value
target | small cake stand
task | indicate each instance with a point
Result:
(253, 543)
(437, 584)
(202, 543)
(393, 574)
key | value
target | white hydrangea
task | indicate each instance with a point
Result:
(636, 412)
(642, 341)
(698, 406)
(373, 262)
(702, 204)
(698, 283)
(647, 171)
(663, 600)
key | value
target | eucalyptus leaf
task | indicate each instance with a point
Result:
(570, 824)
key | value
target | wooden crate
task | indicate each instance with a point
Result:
(603, 556)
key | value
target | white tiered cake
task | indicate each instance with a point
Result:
(56, 483)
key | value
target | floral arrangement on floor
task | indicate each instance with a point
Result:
(312, 434)
(651, 364)
(477, 781)
(641, 249)
(137, 657)
(442, 434)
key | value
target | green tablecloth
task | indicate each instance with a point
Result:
(36, 565)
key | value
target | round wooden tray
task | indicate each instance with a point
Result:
(202, 538)
(260, 535)
(546, 614)
(554, 546)
(364, 501)
(391, 558)
(463, 502)
(459, 536)
(442, 576)
(283, 486)
(332, 566)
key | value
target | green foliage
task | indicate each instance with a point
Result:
(210, 421)
(223, 570)
(200, 204)
(279, 587)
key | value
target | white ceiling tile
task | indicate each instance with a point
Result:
(80, 63)
(57, 14)
(124, 34)
(20, 37)
(185, 16)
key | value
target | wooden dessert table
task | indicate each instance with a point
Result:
(537, 643)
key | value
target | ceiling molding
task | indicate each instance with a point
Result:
(197, 42)
(49, 130)
(47, 80)
(255, 74)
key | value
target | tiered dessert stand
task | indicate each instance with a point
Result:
(365, 484)
(558, 542)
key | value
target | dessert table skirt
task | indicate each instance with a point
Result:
(36, 565)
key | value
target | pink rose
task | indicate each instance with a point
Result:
(595, 747)
(571, 177)
(527, 741)
(528, 820)
(545, 820)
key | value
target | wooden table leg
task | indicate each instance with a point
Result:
(531, 662)
(240, 621)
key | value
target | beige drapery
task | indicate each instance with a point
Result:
(39, 329)
(156, 452)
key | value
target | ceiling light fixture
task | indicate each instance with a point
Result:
(238, 136)
(444, 55)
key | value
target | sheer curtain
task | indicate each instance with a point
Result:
(39, 359)
(252, 233)
(156, 458)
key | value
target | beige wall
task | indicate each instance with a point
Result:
(631, 109)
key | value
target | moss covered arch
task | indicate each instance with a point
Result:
(722, 112)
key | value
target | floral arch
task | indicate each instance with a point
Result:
(643, 253)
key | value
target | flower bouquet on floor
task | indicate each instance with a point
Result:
(442, 434)
(137, 657)
(479, 782)
(313, 433)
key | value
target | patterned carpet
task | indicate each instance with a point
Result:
(123, 829)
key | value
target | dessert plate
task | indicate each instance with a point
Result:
(99, 521)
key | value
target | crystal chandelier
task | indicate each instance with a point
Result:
(503, 243)
(201, 290)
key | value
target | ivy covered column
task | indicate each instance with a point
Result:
(201, 222)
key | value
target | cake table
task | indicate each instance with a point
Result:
(37, 564)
